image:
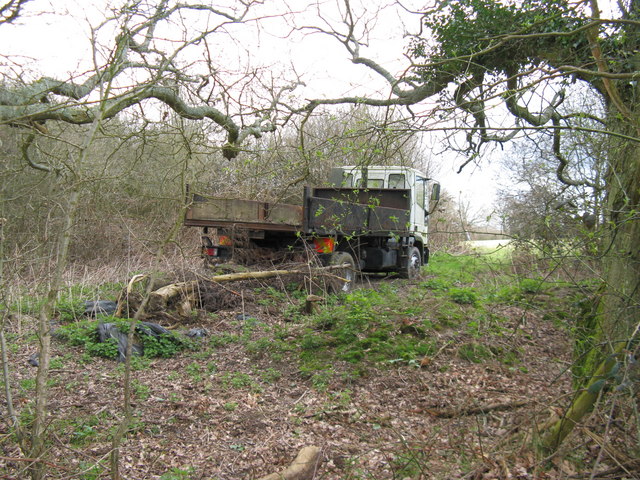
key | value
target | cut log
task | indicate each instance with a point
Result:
(161, 297)
(304, 466)
(184, 293)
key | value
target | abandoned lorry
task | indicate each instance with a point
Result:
(369, 219)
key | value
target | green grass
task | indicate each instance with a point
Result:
(395, 324)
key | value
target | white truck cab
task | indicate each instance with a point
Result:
(424, 192)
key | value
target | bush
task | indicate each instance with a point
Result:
(70, 310)
(464, 296)
(85, 334)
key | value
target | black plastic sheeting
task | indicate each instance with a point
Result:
(111, 330)
(99, 307)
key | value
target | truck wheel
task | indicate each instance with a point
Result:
(412, 263)
(348, 273)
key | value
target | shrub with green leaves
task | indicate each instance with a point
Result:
(464, 295)
(69, 310)
(531, 285)
(85, 334)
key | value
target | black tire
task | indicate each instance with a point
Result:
(412, 264)
(349, 273)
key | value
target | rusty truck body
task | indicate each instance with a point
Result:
(375, 219)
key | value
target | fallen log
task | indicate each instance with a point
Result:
(161, 297)
(462, 412)
(303, 467)
(186, 291)
(235, 277)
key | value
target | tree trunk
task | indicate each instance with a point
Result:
(620, 306)
(582, 404)
(38, 430)
(615, 321)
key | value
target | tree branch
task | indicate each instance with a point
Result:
(11, 10)
(24, 149)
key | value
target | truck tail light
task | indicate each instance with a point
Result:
(324, 244)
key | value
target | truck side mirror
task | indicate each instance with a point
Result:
(435, 198)
(435, 192)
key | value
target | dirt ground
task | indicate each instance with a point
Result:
(236, 412)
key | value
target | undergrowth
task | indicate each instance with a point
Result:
(85, 334)
(454, 313)
(393, 324)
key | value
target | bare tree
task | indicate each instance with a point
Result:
(276, 167)
(138, 67)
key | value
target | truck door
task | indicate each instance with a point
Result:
(420, 214)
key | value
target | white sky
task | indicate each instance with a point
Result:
(57, 44)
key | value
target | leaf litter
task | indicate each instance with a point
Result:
(236, 409)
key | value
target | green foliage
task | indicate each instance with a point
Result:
(140, 390)
(194, 370)
(239, 380)
(27, 384)
(264, 345)
(230, 406)
(454, 270)
(464, 295)
(84, 431)
(85, 334)
(176, 473)
(270, 375)
(164, 346)
(474, 352)
(531, 285)
(270, 296)
(363, 327)
(472, 29)
(436, 283)
(223, 339)
(585, 332)
(321, 379)
(409, 463)
(69, 310)
(56, 363)
(90, 471)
